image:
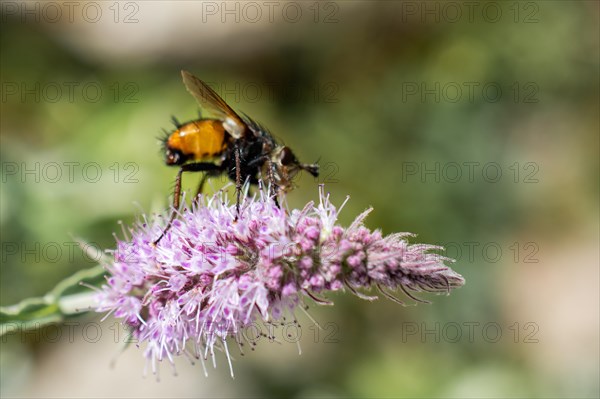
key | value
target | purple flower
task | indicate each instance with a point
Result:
(211, 275)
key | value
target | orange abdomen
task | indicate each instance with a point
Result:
(201, 139)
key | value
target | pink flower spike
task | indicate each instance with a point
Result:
(212, 276)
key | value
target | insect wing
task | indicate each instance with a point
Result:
(210, 100)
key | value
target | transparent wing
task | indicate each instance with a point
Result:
(210, 100)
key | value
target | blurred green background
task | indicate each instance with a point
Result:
(474, 125)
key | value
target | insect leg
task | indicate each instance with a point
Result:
(238, 177)
(203, 180)
(192, 167)
(273, 187)
(199, 189)
(271, 177)
(176, 199)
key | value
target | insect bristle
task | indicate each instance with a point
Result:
(175, 121)
(163, 139)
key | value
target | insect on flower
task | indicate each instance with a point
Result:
(227, 143)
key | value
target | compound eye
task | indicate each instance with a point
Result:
(173, 157)
(287, 157)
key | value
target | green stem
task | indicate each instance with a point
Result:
(67, 299)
